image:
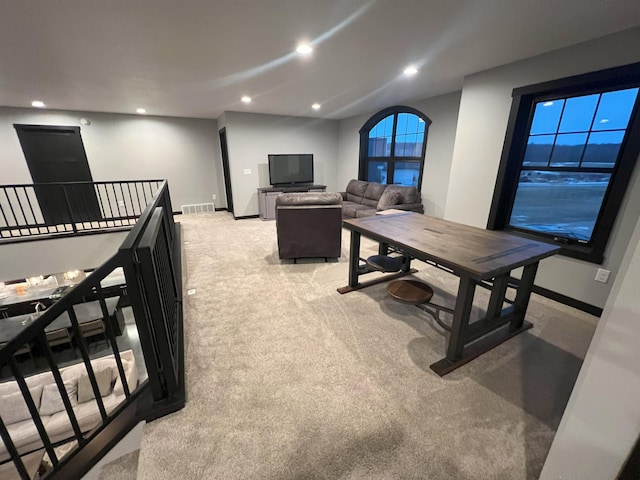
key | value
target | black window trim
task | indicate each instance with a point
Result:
(391, 159)
(524, 100)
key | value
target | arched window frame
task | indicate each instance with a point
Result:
(365, 159)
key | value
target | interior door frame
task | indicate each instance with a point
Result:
(58, 203)
(225, 168)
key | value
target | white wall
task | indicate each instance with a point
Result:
(42, 257)
(482, 122)
(443, 112)
(251, 137)
(128, 147)
(602, 420)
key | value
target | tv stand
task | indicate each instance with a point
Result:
(267, 197)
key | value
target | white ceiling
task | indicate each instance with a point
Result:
(193, 58)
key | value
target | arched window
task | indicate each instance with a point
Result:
(392, 146)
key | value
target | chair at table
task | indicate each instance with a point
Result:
(93, 328)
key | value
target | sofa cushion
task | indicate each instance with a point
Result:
(355, 190)
(52, 401)
(103, 379)
(349, 209)
(388, 198)
(374, 191)
(407, 194)
(13, 408)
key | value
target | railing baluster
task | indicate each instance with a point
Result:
(140, 207)
(115, 198)
(133, 207)
(33, 410)
(84, 351)
(112, 339)
(144, 192)
(13, 452)
(124, 202)
(106, 191)
(102, 210)
(26, 195)
(25, 223)
(44, 347)
(66, 198)
(12, 212)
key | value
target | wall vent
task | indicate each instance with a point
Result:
(198, 208)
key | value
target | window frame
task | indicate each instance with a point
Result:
(392, 159)
(517, 134)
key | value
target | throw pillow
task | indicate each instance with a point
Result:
(52, 401)
(118, 389)
(388, 198)
(103, 379)
(14, 409)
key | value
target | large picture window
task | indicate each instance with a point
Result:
(570, 149)
(392, 147)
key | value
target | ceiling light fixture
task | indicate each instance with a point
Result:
(316, 106)
(38, 104)
(141, 111)
(410, 70)
(547, 104)
(246, 99)
(304, 49)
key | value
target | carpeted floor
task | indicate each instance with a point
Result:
(287, 379)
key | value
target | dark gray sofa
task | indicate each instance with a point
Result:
(363, 199)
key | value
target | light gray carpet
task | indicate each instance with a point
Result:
(123, 468)
(287, 379)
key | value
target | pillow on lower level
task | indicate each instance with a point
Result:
(388, 198)
(103, 379)
(52, 401)
(13, 408)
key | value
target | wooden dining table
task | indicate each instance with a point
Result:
(476, 256)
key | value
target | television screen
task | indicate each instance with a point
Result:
(291, 169)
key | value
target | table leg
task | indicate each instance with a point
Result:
(524, 294)
(498, 292)
(354, 258)
(464, 302)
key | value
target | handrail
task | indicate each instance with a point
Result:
(45, 210)
(151, 240)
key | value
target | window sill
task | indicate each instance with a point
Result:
(588, 253)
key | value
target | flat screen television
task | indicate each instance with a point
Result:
(290, 169)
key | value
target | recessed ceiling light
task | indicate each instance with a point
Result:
(304, 49)
(246, 99)
(38, 104)
(141, 111)
(410, 70)
(316, 106)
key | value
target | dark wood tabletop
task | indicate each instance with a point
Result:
(475, 251)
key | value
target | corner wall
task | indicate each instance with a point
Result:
(443, 113)
(252, 136)
(482, 122)
(602, 420)
(185, 151)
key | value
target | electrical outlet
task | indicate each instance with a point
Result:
(247, 171)
(602, 275)
(214, 197)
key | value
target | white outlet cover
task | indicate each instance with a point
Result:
(191, 291)
(247, 171)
